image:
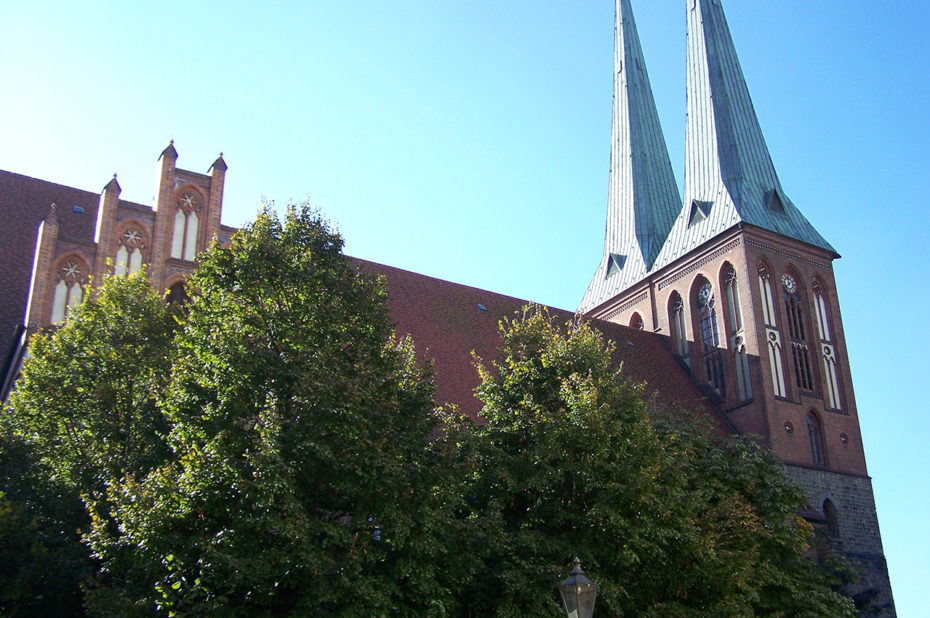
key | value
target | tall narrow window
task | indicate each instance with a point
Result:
(833, 525)
(737, 336)
(129, 255)
(186, 227)
(637, 322)
(68, 291)
(831, 374)
(772, 336)
(815, 439)
(799, 351)
(710, 339)
(676, 320)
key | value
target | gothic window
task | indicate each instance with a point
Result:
(68, 290)
(799, 350)
(772, 335)
(828, 351)
(129, 255)
(829, 510)
(637, 322)
(186, 227)
(737, 336)
(768, 303)
(710, 338)
(177, 293)
(815, 439)
(676, 320)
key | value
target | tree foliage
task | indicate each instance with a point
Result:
(666, 518)
(274, 450)
(84, 413)
(300, 429)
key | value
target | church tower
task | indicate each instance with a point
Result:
(737, 280)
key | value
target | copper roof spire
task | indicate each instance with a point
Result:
(729, 174)
(643, 197)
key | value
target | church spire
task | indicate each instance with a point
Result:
(643, 197)
(729, 174)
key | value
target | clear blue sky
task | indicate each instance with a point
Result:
(469, 141)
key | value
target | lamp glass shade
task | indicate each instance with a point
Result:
(578, 593)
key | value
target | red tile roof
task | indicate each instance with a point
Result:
(446, 323)
(444, 319)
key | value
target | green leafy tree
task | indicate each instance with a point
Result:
(668, 520)
(42, 560)
(86, 402)
(84, 413)
(301, 429)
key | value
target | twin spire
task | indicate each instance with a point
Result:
(729, 175)
(643, 197)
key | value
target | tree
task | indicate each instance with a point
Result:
(84, 413)
(86, 402)
(666, 518)
(301, 429)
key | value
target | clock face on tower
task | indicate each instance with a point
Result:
(706, 294)
(789, 284)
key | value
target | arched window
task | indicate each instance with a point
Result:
(129, 255)
(815, 438)
(737, 336)
(676, 320)
(186, 227)
(796, 330)
(68, 291)
(832, 388)
(637, 322)
(710, 337)
(177, 293)
(772, 336)
(829, 511)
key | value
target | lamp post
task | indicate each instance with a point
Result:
(578, 593)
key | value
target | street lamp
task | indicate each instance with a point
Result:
(578, 593)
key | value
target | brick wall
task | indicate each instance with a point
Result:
(860, 539)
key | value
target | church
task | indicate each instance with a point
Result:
(721, 297)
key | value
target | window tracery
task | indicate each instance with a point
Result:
(772, 335)
(676, 319)
(129, 255)
(828, 353)
(68, 291)
(737, 336)
(800, 353)
(710, 338)
(186, 227)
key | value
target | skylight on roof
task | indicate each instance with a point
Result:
(78, 209)
(482, 308)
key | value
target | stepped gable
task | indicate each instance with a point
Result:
(446, 324)
(24, 204)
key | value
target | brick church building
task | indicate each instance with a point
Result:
(723, 301)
